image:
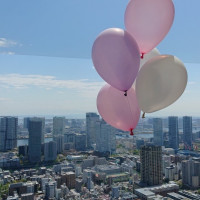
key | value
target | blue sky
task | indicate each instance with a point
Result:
(45, 54)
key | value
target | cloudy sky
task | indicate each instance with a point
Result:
(45, 55)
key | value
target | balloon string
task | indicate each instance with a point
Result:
(127, 99)
(143, 115)
(142, 56)
(125, 94)
(131, 132)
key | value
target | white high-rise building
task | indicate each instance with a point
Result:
(8, 133)
(105, 137)
(190, 170)
(58, 125)
(91, 119)
(170, 173)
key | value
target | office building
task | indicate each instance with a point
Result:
(43, 128)
(26, 125)
(58, 125)
(151, 165)
(80, 142)
(105, 137)
(69, 141)
(26, 122)
(59, 139)
(23, 150)
(187, 132)
(8, 133)
(50, 189)
(115, 191)
(50, 151)
(139, 143)
(35, 139)
(173, 132)
(191, 173)
(91, 119)
(71, 180)
(158, 131)
(170, 172)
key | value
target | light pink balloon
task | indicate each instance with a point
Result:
(149, 21)
(116, 57)
(121, 112)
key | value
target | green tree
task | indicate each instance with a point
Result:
(4, 189)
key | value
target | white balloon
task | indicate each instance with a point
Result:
(153, 53)
(160, 82)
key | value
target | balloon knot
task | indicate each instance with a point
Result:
(142, 56)
(131, 132)
(125, 94)
(143, 115)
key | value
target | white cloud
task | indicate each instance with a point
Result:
(4, 99)
(7, 43)
(7, 52)
(191, 83)
(19, 81)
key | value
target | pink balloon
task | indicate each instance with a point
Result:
(148, 21)
(121, 112)
(116, 57)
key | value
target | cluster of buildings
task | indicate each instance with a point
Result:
(98, 136)
(161, 170)
(90, 178)
(173, 132)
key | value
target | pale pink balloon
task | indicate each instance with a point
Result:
(116, 57)
(121, 112)
(149, 21)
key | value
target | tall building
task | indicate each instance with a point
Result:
(187, 132)
(80, 142)
(43, 128)
(59, 139)
(173, 132)
(26, 125)
(26, 122)
(8, 133)
(191, 173)
(158, 131)
(91, 119)
(35, 139)
(71, 180)
(58, 133)
(58, 125)
(105, 137)
(151, 165)
(50, 151)
(69, 141)
(11, 132)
